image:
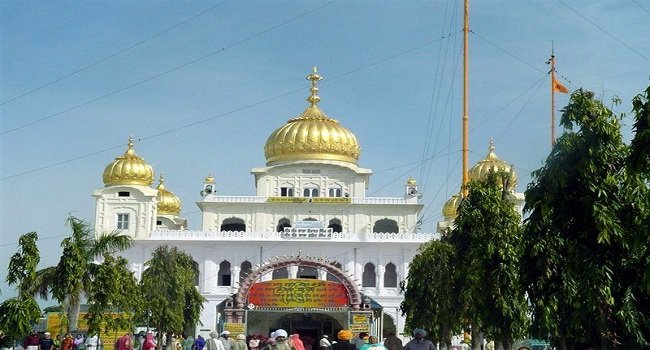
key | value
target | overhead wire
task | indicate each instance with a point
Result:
(605, 31)
(221, 115)
(106, 58)
(158, 75)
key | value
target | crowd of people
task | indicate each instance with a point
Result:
(277, 340)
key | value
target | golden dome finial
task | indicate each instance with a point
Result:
(209, 179)
(129, 169)
(314, 78)
(491, 148)
(168, 203)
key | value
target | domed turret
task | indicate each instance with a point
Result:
(492, 163)
(450, 208)
(312, 136)
(129, 169)
(168, 203)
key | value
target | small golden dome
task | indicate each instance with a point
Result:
(450, 209)
(129, 169)
(492, 163)
(209, 179)
(168, 203)
(411, 181)
(312, 136)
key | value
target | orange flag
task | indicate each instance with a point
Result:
(558, 87)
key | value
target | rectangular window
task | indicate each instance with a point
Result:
(123, 194)
(311, 171)
(122, 221)
(286, 191)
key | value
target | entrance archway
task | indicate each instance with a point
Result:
(354, 296)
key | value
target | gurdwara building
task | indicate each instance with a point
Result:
(309, 253)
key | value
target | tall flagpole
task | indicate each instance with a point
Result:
(464, 188)
(552, 62)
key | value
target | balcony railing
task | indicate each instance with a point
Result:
(189, 235)
(315, 200)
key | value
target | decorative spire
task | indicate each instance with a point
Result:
(130, 144)
(491, 144)
(161, 180)
(314, 78)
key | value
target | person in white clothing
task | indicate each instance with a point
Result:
(93, 342)
(324, 343)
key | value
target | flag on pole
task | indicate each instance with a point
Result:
(558, 87)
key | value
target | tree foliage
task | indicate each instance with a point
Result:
(73, 277)
(472, 276)
(429, 296)
(113, 296)
(487, 237)
(169, 292)
(17, 314)
(586, 239)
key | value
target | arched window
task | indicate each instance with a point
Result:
(245, 269)
(309, 219)
(280, 273)
(369, 276)
(386, 226)
(286, 190)
(390, 276)
(282, 223)
(233, 224)
(335, 191)
(331, 277)
(224, 276)
(307, 272)
(335, 225)
(311, 191)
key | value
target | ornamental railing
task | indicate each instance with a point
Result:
(314, 200)
(295, 234)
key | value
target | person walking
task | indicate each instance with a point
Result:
(373, 344)
(392, 342)
(125, 342)
(47, 343)
(68, 342)
(239, 343)
(93, 342)
(32, 341)
(213, 343)
(360, 340)
(223, 338)
(344, 336)
(149, 343)
(418, 342)
(281, 342)
(324, 343)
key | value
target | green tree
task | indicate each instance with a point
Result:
(113, 296)
(18, 314)
(72, 278)
(586, 239)
(487, 237)
(430, 294)
(169, 292)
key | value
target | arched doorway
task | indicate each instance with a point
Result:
(316, 298)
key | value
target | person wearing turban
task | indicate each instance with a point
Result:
(344, 336)
(280, 340)
(418, 342)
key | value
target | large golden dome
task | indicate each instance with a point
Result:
(312, 136)
(492, 163)
(168, 203)
(450, 209)
(129, 169)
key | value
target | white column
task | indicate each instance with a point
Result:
(293, 271)
(380, 278)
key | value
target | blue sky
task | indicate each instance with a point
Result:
(202, 84)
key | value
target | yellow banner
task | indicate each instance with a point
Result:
(359, 327)
(235, 328)
(359, 318)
